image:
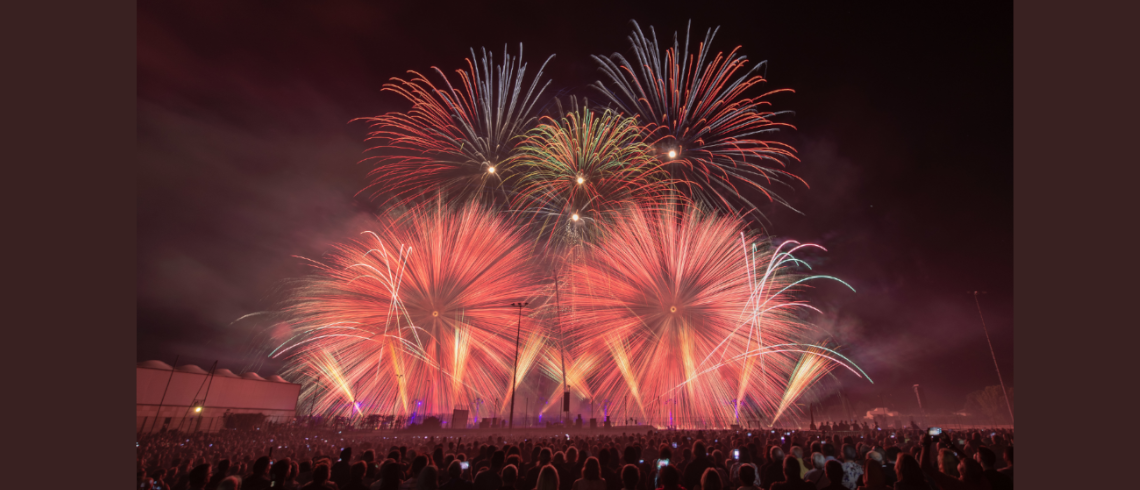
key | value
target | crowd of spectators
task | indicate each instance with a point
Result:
(309, 459)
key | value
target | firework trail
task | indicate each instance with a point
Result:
(455, 137)
(684, 314)
(581, 169)
(414, 317)
(698, 118)
(811, 366)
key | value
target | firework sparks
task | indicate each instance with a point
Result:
(585, 166)
(698, 118)
(680, 316)
(811, 366)
(416, 312)
(683, 315)
(455, 137)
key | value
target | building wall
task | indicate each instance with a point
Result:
(277, 401)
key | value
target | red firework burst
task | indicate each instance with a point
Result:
(699, 319)
(414, 318)
(698, 117)
(454, 137)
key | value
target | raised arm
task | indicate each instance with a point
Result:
(941, 480)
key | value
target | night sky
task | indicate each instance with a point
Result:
(904, 116)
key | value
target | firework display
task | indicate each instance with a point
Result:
(586, 166)
(413, 316)
(455, 137)
(688, 305)
(649, 291)
(698, 118)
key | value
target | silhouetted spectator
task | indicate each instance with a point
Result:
(544, 458)
(834, 471)
(341, 470)
(547, 478)
(798, 452)
(792, 480)
(418, 465)
(320, 479)
(305, 473)
(773, 471)
(852, 469)
(230, 483)
(611, 477)
(630, 477)
(873, 476)
(948, 463)
(490, 479)
(695, 469)
(199, 477)
(220, 472)
(356, 477)
(971, 478)
(889, 475)
(669, 479)
(279, 473)
(591, 476)
(816, 475)
(987, 459)
(1007, 455)
(259, 479)
(910, 474)
(390, 477)
(747, 476)
(428, 479)
(510, 474)
(711, 480)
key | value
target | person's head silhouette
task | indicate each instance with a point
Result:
(834, 471)
(630, 476)
(791, 468)
(669, 477)
(261, 467)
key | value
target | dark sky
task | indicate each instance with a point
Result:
(246, 157)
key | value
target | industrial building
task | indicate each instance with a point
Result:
(190, 399)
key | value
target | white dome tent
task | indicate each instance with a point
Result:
(188, 398)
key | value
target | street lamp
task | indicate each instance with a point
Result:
(515, 377)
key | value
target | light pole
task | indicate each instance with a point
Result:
(561, 353)
(515, 376)
(1004, 393)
